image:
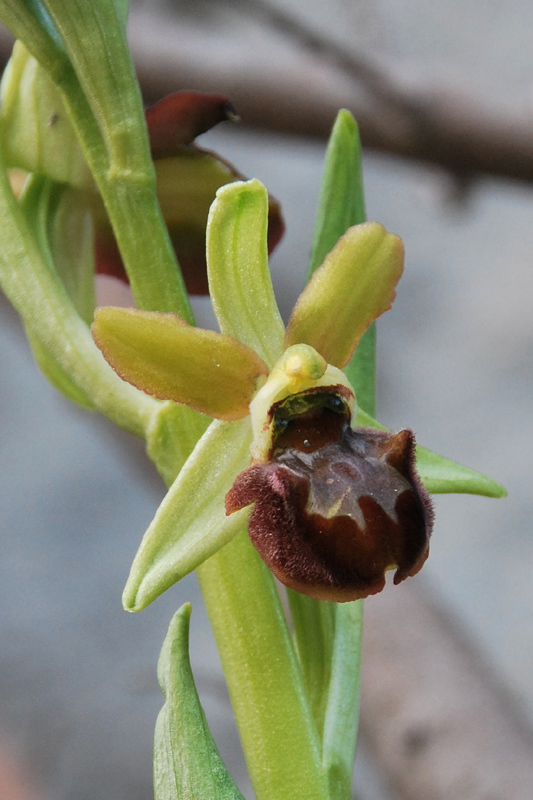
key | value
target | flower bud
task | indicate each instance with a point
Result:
(37, 134)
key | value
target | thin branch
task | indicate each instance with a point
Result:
(298, 89)
(438, 721)
(299, 92)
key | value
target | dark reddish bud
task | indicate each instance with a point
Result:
(331, 519)
(177, 119)
(173, 123)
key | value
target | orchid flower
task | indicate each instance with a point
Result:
(335, 506)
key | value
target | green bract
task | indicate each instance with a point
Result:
(357, 279)
(187, 763)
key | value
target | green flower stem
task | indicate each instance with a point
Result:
(154, 275)
(92, 68)
(277, 730)
(95, 41)
(28, 21)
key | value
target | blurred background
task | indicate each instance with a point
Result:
(444, 96)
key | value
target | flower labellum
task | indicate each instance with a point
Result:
(335, 507)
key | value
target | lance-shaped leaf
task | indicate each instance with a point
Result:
(169, 359)
(191, 523)
(441, 475)
(342, 710)
(237, 263)
(187, 764)
(355, 284)
(341, 202)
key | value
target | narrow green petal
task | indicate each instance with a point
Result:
(441, 475)
(355, 284)
(191, 523)
(169, 359)
(187, 764)
(237, 263)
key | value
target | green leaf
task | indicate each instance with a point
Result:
(441, 475)
(187, 764)
(168, 359)
(314, 630)
(237, 262)
(341, 202)
(341, 205)
(342, 711)
(355, 284)
(191, 523)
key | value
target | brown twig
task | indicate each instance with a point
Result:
(300, 89)
(438, 721)
(299, 92)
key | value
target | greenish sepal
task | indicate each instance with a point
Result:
(191, 523)
(342, 710)
(171, 437)
(57, 376)
(341, 202)
(237, 262)
(441, 475)
(355, 284)
(37, 133)
(187, 764)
